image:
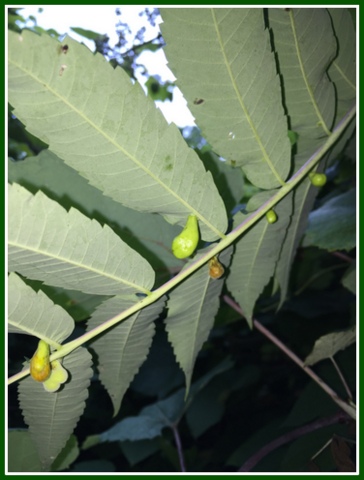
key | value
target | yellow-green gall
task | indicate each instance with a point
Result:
(40, 367)
(186, 242)
(318, 179)
(58, 376)
(271, 216)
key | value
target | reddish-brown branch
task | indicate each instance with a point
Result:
(288, 437)
(343, 256)
(177, 439)
(335, 397)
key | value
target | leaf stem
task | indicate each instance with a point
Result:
(335, 397)
(339, 372)
(215, 250)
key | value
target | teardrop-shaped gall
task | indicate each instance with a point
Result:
(186, 242)
(40, 367)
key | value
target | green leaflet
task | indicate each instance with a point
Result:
(349, 279)
(303, 197)
(302, 201)
(52, 417)
(328, 345)
(148, 234)
(229, 181)
(342, 71)
(103, 126)
(304, 42)
(68, 250)
(192, 308)
(35, 314)
(151, 420)
(122, 349)
(67, 456)
(305, 45)
(255, 257)
(332, 226)
(225, 68)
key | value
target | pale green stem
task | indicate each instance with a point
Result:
(224, 243)
(322, 449)
(342, 378)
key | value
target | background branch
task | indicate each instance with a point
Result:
(287, 437)
(335, 397)
(177, 439)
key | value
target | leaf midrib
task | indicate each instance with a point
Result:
(34, 332)
(81, 266)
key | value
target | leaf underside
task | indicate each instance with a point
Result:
(255, 257)
(90, 116)
(68, 250)
(225, 68)
(122, 349)
(305, 46)
(192, 308)
(147, 233)
(35, 314)
(342, 72)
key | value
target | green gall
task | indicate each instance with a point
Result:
(186, 242)
(271, 216)
(58, 376)
(318, 179)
